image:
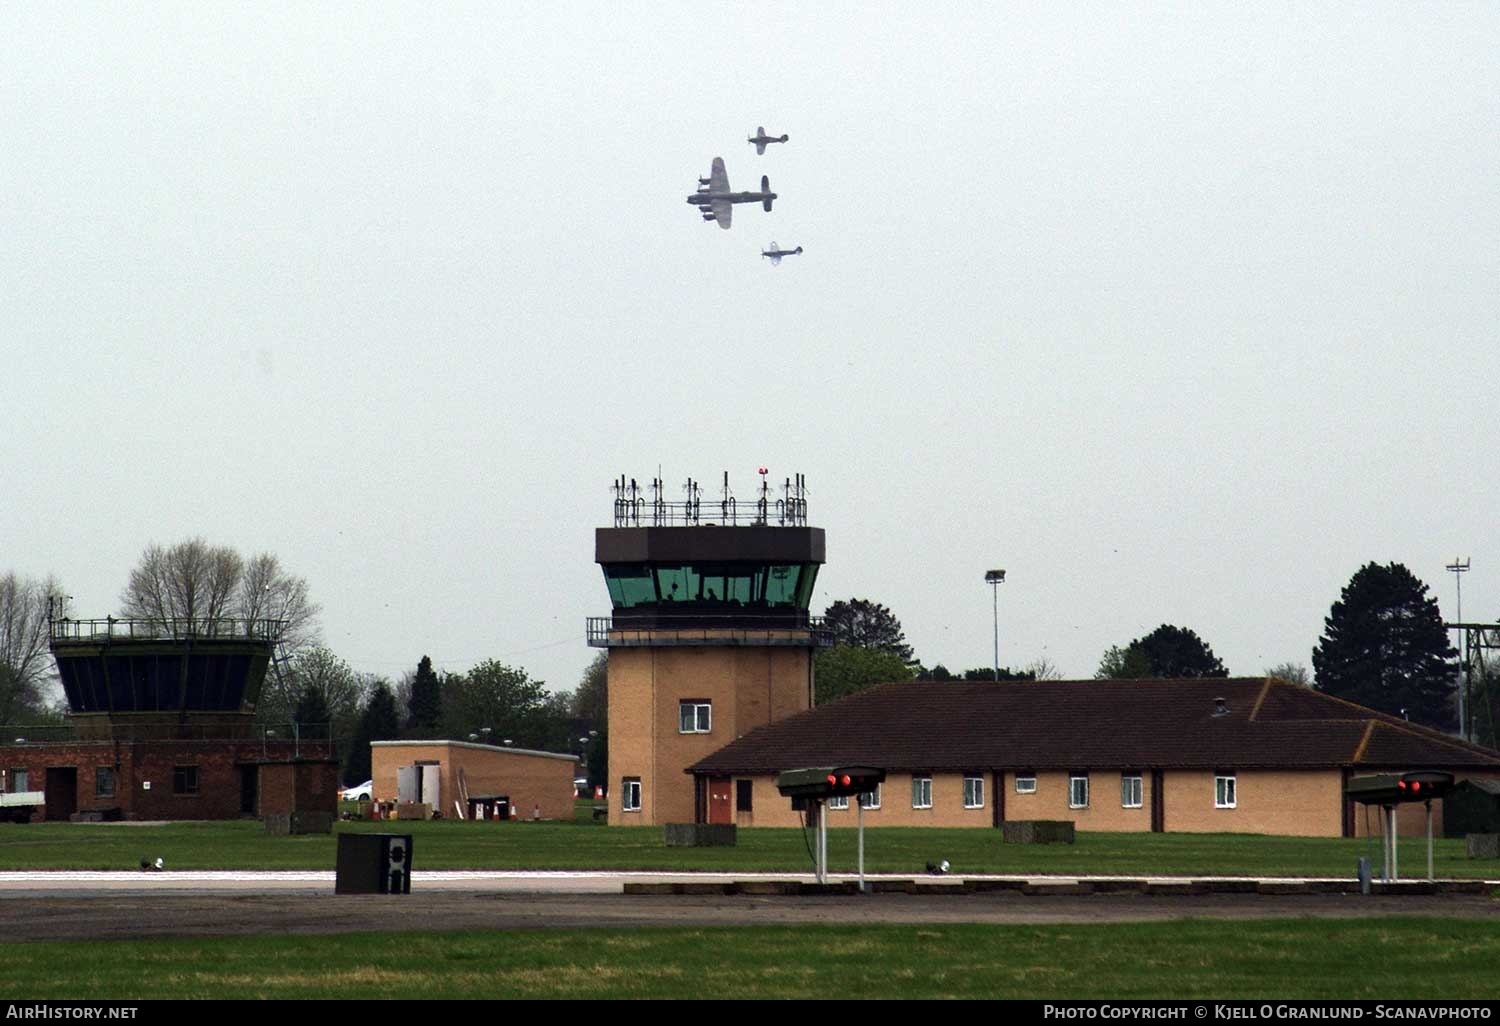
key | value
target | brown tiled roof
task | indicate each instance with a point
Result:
(1093, 724)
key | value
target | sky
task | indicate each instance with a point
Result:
(1177, 313)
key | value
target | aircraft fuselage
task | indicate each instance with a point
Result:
(702, 198)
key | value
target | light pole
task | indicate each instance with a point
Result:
(1459, 567)
(995, 578)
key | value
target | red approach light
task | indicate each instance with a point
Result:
(764, 471)
(832, 780)
(846, 780)
(1401, 784)
(1416, 785)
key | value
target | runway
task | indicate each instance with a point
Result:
(98, 906)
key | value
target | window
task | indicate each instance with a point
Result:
(694, 717)
(19, 780)
(104, 782)
(742, 795)
(973, 792)
(630, 794)
(1078, 790)
(1224, 791)
(870, 799)
(1130, 790)
(921, 792)
(1025, 783)
(840, 802)
(185, 780)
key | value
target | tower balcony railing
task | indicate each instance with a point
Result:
(170, 628)
(664, 630)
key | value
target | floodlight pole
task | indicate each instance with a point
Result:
(861, 805)
(1395, 833)
(822, 841)
(995, 578)
(1428, 803)
(1458, 568)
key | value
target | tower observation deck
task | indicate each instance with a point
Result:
(686, 573)
(163, 678)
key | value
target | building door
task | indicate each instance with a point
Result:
(1158, 803)
(62, 792)
(249, 790)
(719, 794)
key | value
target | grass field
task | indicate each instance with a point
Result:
(1378, 958)
(451, 844)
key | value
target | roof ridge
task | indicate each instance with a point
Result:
(1429, 734)
(1255, 712)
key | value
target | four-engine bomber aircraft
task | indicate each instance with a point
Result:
(760, 139)
(716, 203)
(776, 254)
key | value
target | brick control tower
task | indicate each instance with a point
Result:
(709, 637)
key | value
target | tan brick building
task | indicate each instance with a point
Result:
(709, 639)
(536, 784)
(1249, 755)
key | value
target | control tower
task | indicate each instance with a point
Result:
(163, 679)
(709, 637)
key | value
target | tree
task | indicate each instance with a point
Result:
(194, 581)
(1292, 673)
(25, 668)
(378, 722)
(1384, 646)
(845, 669)
(268, 592)
(426, 702)
(1042, 668)
(339, 689)
(312, 716)
(1167, 651)
(1128, 663)
(866, 624)
(503, 698)
(591, 700)
(983, 673)
(591, 706)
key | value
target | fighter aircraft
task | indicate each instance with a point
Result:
(760, 139)
(716, 203)
(776, 254)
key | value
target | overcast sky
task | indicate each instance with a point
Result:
(1177, 313)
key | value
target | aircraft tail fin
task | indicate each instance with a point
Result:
(765, 186)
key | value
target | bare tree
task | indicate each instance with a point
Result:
(267, 591)
(190, 581)
(199, 583)
(1042, 668)
(25, 668)
(1292, 673)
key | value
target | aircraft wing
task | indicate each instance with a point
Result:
(775, 259)
(718, 178)
(723, 209)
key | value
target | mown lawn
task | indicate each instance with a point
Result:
(1373, 958)
(451, 844)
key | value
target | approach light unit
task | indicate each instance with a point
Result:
(829, 781)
